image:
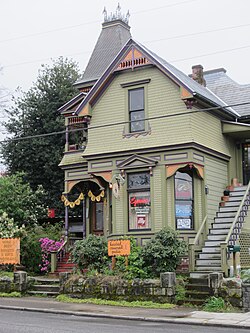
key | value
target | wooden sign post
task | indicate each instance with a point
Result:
(119, 247)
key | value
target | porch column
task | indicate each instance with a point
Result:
(66, 221)
(83, 218)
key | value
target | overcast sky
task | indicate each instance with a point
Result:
(214, 33)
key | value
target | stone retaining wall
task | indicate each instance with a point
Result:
(114, 288)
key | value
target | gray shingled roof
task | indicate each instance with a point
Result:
(113, 37)
(195, 87)
(227, 89)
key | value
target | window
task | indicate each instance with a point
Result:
(184, 199)
(139, 201)
(136, 110)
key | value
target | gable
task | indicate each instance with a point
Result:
(134, 55)
(134, 58)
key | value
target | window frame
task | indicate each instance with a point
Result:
(136, 190)
(132, 86)
(179, 201)
(132, 111)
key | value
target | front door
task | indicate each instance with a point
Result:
(96, 218)
(246, 163)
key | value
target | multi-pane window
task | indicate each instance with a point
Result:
(184, 200)
(139, 201)
(136, 110)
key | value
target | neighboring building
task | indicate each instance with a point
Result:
(156, 148)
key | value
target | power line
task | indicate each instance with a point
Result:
(124, 122)
(90, 22)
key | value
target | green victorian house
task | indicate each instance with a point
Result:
(148, 146)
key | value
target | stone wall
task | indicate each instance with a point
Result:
(230, 290)
(115, 288)
(18, 283)
(246, 296)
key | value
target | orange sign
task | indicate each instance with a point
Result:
(119, 247)
(9, 251)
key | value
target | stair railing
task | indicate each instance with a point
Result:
(197, 243)
(235, 230)
(57, 256)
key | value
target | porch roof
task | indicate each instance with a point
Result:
(236, 130)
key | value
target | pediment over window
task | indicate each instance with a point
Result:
(136, 161)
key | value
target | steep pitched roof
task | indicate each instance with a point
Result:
(113, 37)
(230, 91)
(176, 75)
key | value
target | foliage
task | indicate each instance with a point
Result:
(180, 288)
(141, 304)
(162, 254)
(135, 267)
(31, 252)
(12, 294)
(8, 229)
(19, 201)
(245, 276)
(47, 246)
(215, 304)
(6, 274)
(35, 112)
(91, 253)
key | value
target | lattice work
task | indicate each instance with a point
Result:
(244, 240)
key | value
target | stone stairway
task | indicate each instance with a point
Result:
(197, 289)
(44, 287)
(209, 259)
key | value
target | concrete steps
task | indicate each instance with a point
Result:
(45, 287)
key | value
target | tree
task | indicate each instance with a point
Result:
(18, 200)
(34, 113)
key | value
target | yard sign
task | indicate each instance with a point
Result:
(9, 251)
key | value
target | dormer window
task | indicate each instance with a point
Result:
(136, 110)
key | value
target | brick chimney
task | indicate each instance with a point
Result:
(197, 75)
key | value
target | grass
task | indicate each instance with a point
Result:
(8, 274)
(141, 304)
(13, 294)
(215, 304)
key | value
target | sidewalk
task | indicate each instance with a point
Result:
(180, 315)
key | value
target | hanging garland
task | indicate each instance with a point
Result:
(95, 198)
(72, 204)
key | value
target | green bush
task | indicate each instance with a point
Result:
(91, 253)
(214, 304)
(31, 253)
(135, 267)
(163, 253)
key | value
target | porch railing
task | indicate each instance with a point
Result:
(235, 230)
(197, 243)
(57, 256)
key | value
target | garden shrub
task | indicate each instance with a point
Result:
(163, 253)
(135, 267)
(91, 253)
(31, 251)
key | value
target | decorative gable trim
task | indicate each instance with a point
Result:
(71, 105)
(136, 161)
(134, 58)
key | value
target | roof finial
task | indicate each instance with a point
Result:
(116, 16)
(105, 14)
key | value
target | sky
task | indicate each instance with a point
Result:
(214, 33)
